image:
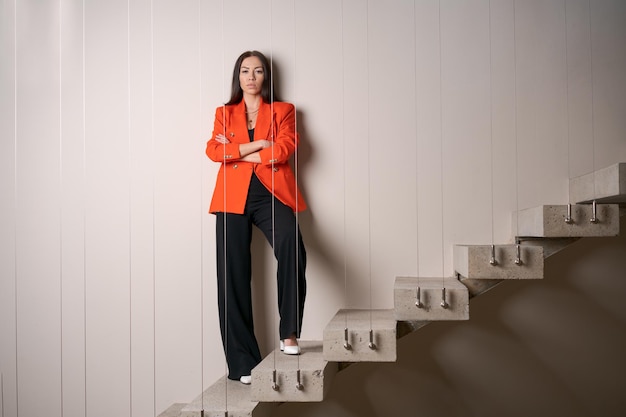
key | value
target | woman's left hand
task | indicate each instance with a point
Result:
(221, 139)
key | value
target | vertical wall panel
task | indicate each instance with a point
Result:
(38, 208)
(212, 87)
(466, 113)
(8, 354)
(142, 174)
(108, 210)
(505, 169)
(550, 107)
(579, 88)
(391, 169)
(72, 196)
(353, 136)
(283, 42)
(428, 80)
(541, 92)
(608, 23)
(526, 45)
(177, 202)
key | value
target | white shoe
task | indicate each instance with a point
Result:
(246, 379)
(289, 350)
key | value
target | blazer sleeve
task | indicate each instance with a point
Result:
(285, 139)
(217, 151)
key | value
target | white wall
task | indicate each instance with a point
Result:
(423, 123)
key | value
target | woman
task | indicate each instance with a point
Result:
(253, 138)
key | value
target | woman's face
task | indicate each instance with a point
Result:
(251, 75)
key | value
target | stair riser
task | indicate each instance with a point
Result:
(406, 309)
(315, 375)
(359, 323)
(405, 297)
(385, 341)
(474, 262)
(315, 384)
(549, 221)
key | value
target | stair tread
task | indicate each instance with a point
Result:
(360, 319)
(605, 185)
(428, 282)
(549, 221)
(310, 358)
(222, 395)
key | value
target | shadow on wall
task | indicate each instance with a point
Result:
(317, 245)
(553, 347)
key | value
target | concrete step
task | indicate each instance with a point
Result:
(359, 323)
(227, 395)
(606, 185)
(550, 221)
(173, 410)
(315, 372)
(431, 291)
(499, 261)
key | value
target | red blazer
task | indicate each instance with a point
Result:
(234, 175)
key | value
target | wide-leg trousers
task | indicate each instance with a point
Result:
(234, 234)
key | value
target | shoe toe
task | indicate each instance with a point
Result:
(292, 350)
(246, 379)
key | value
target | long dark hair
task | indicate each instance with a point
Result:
(267, 89)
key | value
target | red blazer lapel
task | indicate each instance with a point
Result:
(236, 123)
(263, 122)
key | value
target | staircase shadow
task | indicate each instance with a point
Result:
(541, 348)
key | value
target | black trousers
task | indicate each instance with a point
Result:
(234, 271)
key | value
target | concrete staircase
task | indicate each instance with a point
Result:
(597, 200)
